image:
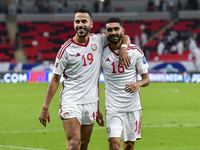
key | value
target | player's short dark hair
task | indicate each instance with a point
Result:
(84, 10)
(114, 19)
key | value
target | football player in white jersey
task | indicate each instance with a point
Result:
(122, 96)
(78, 60)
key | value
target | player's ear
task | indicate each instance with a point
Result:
(105, 31)
(123, 31)
(91, 24)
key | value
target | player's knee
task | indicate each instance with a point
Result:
(73, 144)
(129, 145)
(114, 145)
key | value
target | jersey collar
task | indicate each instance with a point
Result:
(113, 51)
(84, 45)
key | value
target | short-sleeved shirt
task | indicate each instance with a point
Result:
(116, 79)
(80, 66)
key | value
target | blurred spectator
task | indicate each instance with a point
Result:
(16, 69)
(195, 50)
(65, 3)
(192, 5)
(106, 6)
(47, 6)
(144, 36)
(5, 7)
(173, 48)
(160, 46)
(150, 6)
(180, 47)
(179, 5)
(137, 40)
(96, 6)
(36, 6)
(163, 6)
(60, 6)
(171, 5)
(147, 54)
(12, 9)
(20, 6)
(157, 5)
(169, 68)
(40, 6)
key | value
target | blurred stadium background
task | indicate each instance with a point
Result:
(32, 31)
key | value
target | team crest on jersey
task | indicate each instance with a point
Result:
(144, 60)
(94, 47)
(65, 115)
(56, 65)
(108, 130)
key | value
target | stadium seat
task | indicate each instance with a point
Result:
(6, 50)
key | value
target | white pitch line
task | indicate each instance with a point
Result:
(17, 147)
(28, 131)
(167, 126)
(99, 128)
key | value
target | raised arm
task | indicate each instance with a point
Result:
(124, 59)
(51, 90)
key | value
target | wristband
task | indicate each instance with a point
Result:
(124, 45)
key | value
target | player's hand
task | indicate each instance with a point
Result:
(99, 119)
(132, 87)
(44, 117)
(124, 58)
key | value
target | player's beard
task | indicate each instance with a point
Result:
(114, 41)
(86, 30)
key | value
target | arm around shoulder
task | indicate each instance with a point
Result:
(124, 59)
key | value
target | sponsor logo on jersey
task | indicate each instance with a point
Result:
(108, 130)
(65, 115)
(107, 59)
(56, 65)
(77, 55)
(94, 47)
(144, 60)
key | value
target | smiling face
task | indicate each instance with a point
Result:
(82, 24)
(114, 32)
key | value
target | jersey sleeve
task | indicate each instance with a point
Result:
(142, 64)
(61, 61)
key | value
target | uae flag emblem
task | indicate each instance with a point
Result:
(94, 47)
(108, 130)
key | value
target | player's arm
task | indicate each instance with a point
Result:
(134, 86)
(124, 59)
(51, 90)
(99, 117)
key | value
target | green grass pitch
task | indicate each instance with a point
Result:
(171, 118)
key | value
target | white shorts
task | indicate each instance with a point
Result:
(126, 125)
(85, 113)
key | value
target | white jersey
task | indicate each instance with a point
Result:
(116, 79)
(80, 66)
